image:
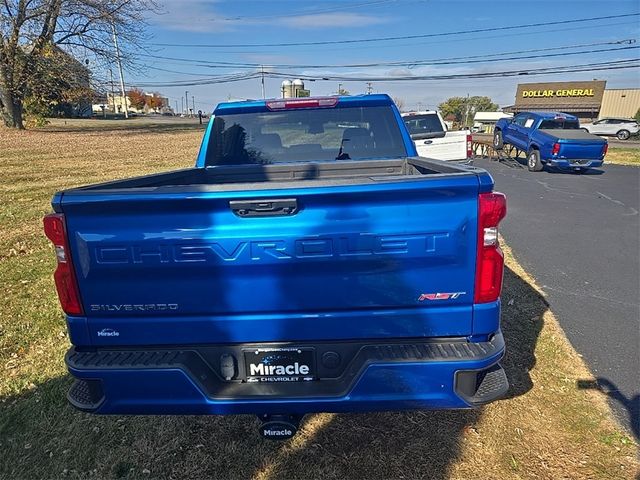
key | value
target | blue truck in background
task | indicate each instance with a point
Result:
(309, 262)
(550, 138)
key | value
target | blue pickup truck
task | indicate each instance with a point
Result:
(309, 262)
(553, 139)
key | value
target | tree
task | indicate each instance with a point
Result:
(637, 116)
(399, 103)
(137, 98)
(463, 108)
(155, 101)
(60, 85)
(30, 28)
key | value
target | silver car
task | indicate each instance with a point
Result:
(622, 128)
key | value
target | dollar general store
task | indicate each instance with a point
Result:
(588, 100)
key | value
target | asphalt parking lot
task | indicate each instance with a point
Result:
(578, 235)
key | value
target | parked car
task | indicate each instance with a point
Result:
(433, 140)
(622, 128)
(309, 262)
(550, 138)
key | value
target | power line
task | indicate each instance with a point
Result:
(598, 66)
(202, 81)
(387, 39)
(483, 37)
(412, 63)
(615, 64)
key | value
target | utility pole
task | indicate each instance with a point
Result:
(176, 107)
(193, 104)
(113, 92)
(186, 102)
(181, 105)
(466, 112)
(262, 79)
(369, 88)
(339, 89)
(124, 93)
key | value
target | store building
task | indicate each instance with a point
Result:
(587, 100)
(620, 102)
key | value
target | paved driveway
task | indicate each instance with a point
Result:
(579, 237)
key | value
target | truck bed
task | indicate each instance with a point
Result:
(275, 176)
(573, 134)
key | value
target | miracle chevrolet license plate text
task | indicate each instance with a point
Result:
(286, 364)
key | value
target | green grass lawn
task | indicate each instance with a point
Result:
(623, 156)
(548, 427)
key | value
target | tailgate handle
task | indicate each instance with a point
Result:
(428, 142)
(264, 208)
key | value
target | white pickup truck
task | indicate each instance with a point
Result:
(433, 140)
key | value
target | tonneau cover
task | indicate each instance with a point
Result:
(572, 134)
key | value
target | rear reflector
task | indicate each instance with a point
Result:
(469, 146)
(65, 279)
(285, 104)
(492, 208)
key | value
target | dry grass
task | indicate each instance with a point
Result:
(547, 428)
(623, 156)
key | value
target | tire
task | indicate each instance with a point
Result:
(498, 143)
(534, 164)
(623, 135)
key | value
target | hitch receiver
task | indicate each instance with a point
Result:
(279, 426)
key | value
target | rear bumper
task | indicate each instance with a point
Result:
(376, 377)
(574, 163)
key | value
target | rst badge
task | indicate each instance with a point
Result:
(440, 296)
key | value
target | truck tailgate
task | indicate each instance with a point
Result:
(577, 144)
(362, 261)
(580, 149)
(453, 146)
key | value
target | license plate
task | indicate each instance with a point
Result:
(287, 364)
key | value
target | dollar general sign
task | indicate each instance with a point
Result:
(575, 92)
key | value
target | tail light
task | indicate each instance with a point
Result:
(605, 149)
(556, 149)
(65, 279)
(469, 146)
(492, 208)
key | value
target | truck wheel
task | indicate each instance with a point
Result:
(498, 144)
(623, 135)
(533, 161)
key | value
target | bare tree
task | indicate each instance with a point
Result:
(399, 103)
(28, 28)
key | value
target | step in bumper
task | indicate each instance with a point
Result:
(577, 163)
(377, 377)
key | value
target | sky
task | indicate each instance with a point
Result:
(185, 24)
